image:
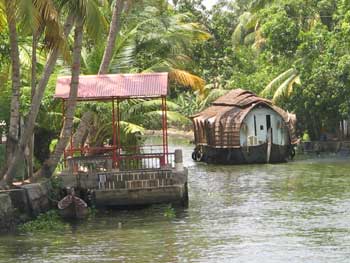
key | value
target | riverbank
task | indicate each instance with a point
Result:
(23, 204)
(341, 147)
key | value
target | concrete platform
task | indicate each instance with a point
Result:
(128, 188)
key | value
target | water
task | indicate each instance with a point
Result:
(294, 212)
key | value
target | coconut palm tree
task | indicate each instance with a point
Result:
(36, 14)
(50, 165)
(159, 40)
(153, 31)
(34, 110)
(10, 11)
(82, 15)
(114, 28)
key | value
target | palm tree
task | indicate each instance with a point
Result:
(82, 16)
(10, 9)
(114, 28)
(153, 31)
(164, 37)
(34, 110)
(50, 165)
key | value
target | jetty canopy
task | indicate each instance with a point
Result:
(106, 87)
(219, 125)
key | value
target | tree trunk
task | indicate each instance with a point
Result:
(30, 155)
(82, 130)
(50, 165)
(114, 29)
(35, 106)
(12, 138)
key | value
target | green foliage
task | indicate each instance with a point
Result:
(46, 222)
(293, 51)
(281, 33)
(56, 184)
(53, 145)
(299, 58)
(169, 212)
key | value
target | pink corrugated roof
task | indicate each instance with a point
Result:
(115, 85)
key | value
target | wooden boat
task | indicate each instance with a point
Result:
(240, 128)
(72, 207)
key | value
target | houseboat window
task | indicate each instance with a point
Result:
(261, 127)
(255, 133)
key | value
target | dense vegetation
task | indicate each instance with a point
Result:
(295, 52)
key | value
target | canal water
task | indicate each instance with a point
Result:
(293, 212)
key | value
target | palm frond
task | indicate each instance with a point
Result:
(172, 116)
(96, 23)
(131, 128)
(124, 54)
(273, 85)
(151, 105)
(260, 41)
(250, 39)
(284, 88)
(3, 21)
(48, 18)
(187, 79)
(238, 34)
(29, 15)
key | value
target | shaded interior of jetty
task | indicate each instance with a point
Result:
(118, 175)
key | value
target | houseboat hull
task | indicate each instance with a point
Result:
(244, 155)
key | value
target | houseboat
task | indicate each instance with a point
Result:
(240, 128)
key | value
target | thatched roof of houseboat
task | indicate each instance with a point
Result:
(219, 125)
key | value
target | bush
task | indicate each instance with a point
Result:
(49, 221)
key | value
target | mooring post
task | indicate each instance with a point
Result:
(178, 160)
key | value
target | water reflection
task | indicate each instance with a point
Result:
(295, 212)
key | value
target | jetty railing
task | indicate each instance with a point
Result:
(102, 159)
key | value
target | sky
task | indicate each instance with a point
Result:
(209, 3)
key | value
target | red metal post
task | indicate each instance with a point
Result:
(71, 144)
(114, 135)
(63, 111)
(63, 117)
(166, 131)
(163, 132)
(118, 133)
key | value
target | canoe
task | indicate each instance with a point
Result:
(72, 207)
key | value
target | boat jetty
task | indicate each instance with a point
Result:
(116, 175)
